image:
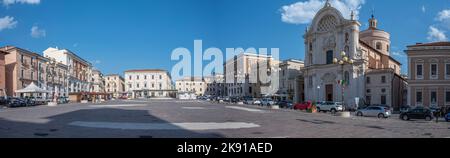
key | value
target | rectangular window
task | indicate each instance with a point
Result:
(433, 97)
(419, 97)
(419, 71)
(130, 77)
(368, 80)
(383, 100)
(383, 79)
(433, 71)
(368, 100)
(330, 57)
(447, 71)
(447, 97)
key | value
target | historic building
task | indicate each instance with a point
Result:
(80, 70)
(429, 74)
(2, 73)
(149, 83)
(215, 85)
(115, 84)
(195, 85)
(24, 67)
(290, 70)
(97, 82)
(243, 79)
(339, 58)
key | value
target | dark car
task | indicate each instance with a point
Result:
(417, 113)
(16, 102)
(3, 101)
(285, 104)
(29, 101)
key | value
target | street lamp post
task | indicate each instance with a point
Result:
(344, 60)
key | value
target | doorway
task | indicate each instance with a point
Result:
(329, 92)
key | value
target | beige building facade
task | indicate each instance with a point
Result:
(115, 85)
(97, 82)
(195, 85)
(148, 83)
(24, 67)
(429, 74)
(244, 67)
(2, 74)
(79, 70)
(290, 70)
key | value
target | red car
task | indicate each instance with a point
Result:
(303, 106)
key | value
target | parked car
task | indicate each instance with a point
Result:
(267, 102)
(332, 107)
(40, 100)
(447, 117)
(63, 100)
(248, 101)
(286, 104)
(417, 113)
(4, 100)
(374, 111)
(303, 106)
(16, 102)
(257, 102)
(404, 109)
(29, 101)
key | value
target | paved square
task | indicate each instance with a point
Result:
(197, 119)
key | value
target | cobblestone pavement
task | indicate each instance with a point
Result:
(197, 119)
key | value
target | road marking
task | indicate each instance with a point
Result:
(194, 108)
(166, 126)
(244, 109)
(118, 105)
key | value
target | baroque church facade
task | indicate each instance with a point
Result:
(341, 61)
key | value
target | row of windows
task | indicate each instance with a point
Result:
(434, 69)
(145, 77)
(370, 91)
(433, 97)
(145, 85)
(191, 90)
(383, 100)
(383, 79)
(187, 84)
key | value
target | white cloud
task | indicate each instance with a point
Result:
(9, 2)
(303, 12)
(435, 35)
(7, 22)
(38, 33)
(444, 15)
(398, 54)
(424, 9)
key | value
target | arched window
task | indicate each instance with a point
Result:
(347, 49)
(387, 48)
(378, 45)
(346, 37)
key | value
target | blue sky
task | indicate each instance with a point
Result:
(117, 35)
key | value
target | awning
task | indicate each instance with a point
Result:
(32, 88)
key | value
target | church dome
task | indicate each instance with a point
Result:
(376, 38)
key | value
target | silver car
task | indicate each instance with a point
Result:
(374, 111)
